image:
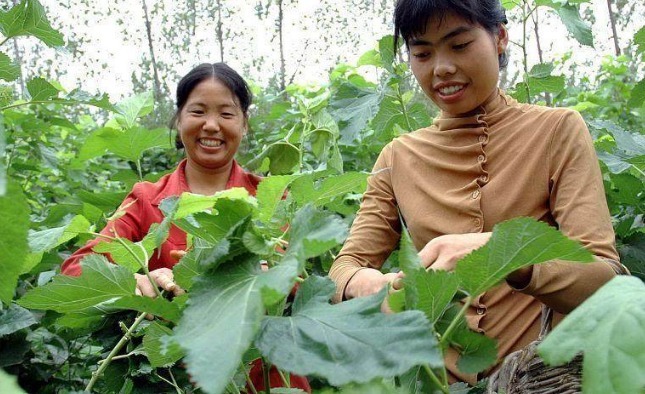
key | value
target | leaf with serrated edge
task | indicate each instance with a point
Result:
(134, 107)
(9, 71)
(14, 221)
(270, 193)
(28, 18)
(15, 318)
(314, 232)
(45, 240)
(41, 90)
(348, 342)
(157, 352)
(227, 297)
(515, 244)
(99, 282)
(608, 328)
(324, 191)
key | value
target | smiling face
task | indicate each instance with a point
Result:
(211, 125)
(456, 63)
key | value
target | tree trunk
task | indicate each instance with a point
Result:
(612, 20)
(283, 68)
(219, 32)
(18, 61)
(157, 84)
(536, 20)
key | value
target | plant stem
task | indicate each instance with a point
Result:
(455, 321)
(139, 170)
(249, 382)
(435, 379)
(3, 41)
(174, 381)
(265, 373)
(104, 364)
(285, 380)
(404, 110)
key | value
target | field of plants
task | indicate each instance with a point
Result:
(68, 158)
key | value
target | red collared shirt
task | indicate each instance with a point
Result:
(142, 210)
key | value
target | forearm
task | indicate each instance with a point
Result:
(564, 285)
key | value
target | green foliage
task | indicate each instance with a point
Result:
(612, 342)
(349, 342)
(515, 244)
(13, 244)
(28, 19)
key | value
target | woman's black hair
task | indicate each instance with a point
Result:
(219, 71)
(411, 17)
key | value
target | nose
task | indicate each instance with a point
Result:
(211, 123)
(444, 66)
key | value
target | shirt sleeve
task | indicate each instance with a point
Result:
(579, 207)
(126, 226)
(375, 231)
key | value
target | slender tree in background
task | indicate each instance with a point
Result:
(155, 71)
(18, 60)
(612, 21)
(219, 30)
(279, 25)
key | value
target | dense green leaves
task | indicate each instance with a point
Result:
(513, 245)
(159, 349)
(100, 281)
(14, 221)
(349, 342)
(129, 144)
(608, 328)
(45, 240)
(15, 318)
(228, 297)
(28, 18)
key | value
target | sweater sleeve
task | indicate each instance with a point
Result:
(375, 231)
(126, 226)
(579, 208)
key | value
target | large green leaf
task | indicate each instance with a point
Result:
(159, 351)
(284, 157)
(307, 189)
(356, 107)
(314, 232)
(45, 240)
(9, 71)
(128, 254)
(570, 16)
(155, 306)
(348, 342)
(639, 40)
(270, 193)
(228, 214)
(28, 19)
(15, 318)
(100, 281)
(221, 320)
(190, 203)
(14, 221)
(638, 95)
(608, 328)
(129, 144)
(133, 108)
(41, 90)
(515, 244)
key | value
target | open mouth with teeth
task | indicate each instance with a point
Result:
(210, 143)
(450, 90)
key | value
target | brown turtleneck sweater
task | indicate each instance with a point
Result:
(464, 175)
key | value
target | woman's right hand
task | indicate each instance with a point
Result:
(163, 278)
(369, 281)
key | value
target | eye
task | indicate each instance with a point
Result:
(460, 47)
(196, 111)
(421, 54)
(228, 115)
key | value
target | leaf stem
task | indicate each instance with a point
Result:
(104, 363)
(404, 110)
(285, 380)
(435, 379)
(139, 171)
(265, 373)
(3, 41)
(249, 382)
(455, 321)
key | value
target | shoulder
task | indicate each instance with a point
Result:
(168, 185)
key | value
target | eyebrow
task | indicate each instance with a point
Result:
(453, 33)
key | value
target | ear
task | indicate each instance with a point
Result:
(502, 39)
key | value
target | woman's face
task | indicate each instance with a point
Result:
(457, 63)
(211, 125)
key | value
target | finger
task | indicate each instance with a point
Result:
(429, 254)
(397, 284)
(137, 291)
(177, 254)
(145, 287)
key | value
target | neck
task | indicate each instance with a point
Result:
(207, 181)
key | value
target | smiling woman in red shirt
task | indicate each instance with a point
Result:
(211, 119)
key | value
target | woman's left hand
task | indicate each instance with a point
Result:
(442, 253)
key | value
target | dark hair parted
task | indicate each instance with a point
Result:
(219, 71)
(411, 17)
